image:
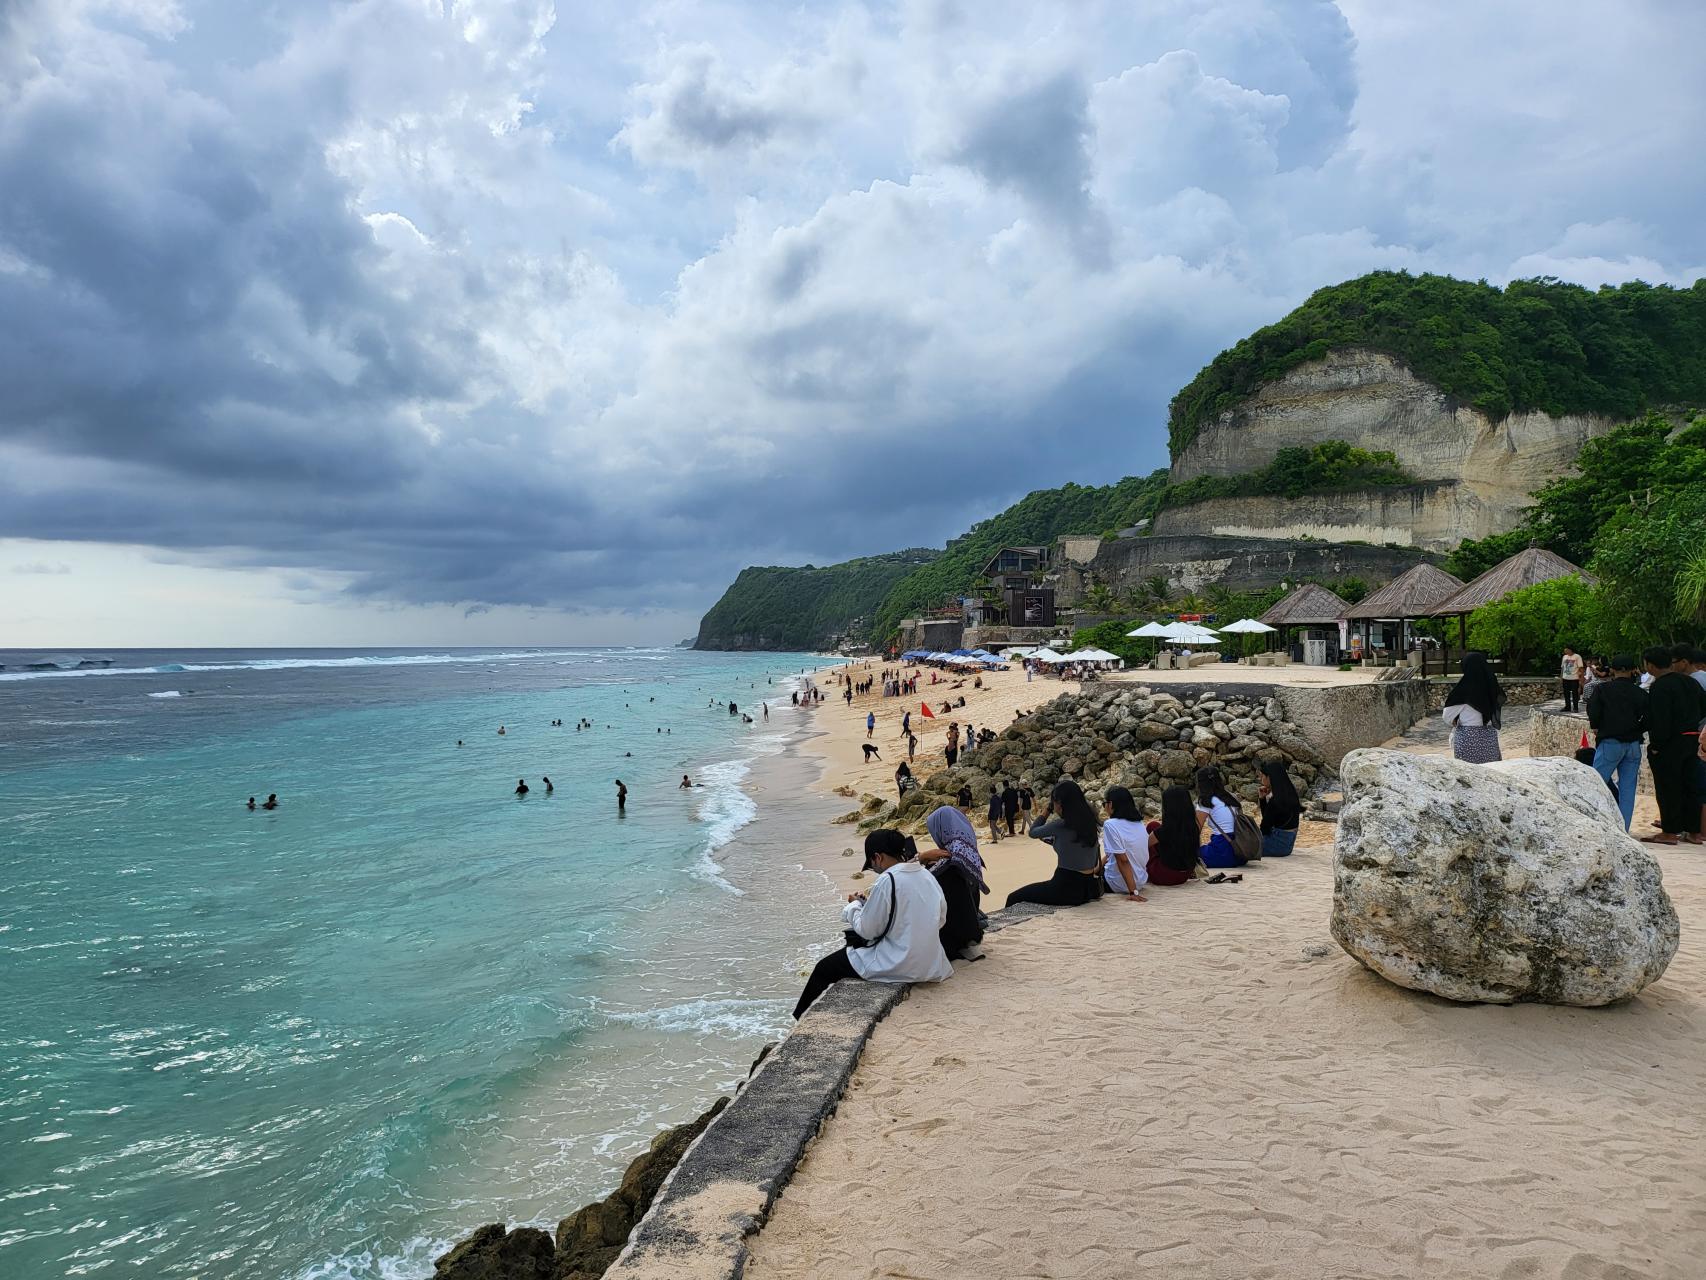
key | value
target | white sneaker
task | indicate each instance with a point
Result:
(973, 952)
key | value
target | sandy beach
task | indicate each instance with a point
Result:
(1205, 1084)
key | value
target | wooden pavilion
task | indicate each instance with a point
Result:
(1527, 568)
(1412, 595)
(1314, 609)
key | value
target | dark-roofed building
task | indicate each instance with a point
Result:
(1527, 568)
(1308, 622)
(1381, 620)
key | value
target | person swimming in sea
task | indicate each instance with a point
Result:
(548, 787)
(272, 800)
(251, 804)
(621, 797)
(459, 742)
(686, 782)
(521, 786)
(500, 731)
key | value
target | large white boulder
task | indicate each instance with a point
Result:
(1502, 882)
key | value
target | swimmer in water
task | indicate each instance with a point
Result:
(272, 800)
(500, 731)
(521, 786)
(686, 782)
(548, 787)
(621, 797)
(459, 742)
(251, 804)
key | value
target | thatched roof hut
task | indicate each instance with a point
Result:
(1415, 593)
(1309, 606)
(1525, 569)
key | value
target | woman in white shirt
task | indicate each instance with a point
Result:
(1217, 810)
(898, 924)
(1125, 846)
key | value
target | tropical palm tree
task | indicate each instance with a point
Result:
(1100, 598)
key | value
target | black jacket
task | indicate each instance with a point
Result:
(1675, 706)
(1617, 709)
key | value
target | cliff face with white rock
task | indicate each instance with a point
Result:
(1474, 475)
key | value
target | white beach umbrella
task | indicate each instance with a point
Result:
(1188, 634)
(1047, 655)
(1247, 626)
(1150, 630)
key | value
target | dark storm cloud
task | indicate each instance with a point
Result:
(352, 307)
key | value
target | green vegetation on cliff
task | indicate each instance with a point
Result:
(1035, 520)
(1329, 467)
(777, 607)
(1536, 344)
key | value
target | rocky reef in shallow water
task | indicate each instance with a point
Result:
(1496, 883)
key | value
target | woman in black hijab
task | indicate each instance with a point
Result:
(1472, 710)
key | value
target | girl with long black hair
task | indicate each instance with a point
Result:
(1175, 840)
(1218, 808)
(1125, 846)
(1281, 810)
(1069, 824)
(1472, 710)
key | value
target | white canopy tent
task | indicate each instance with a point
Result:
(1047, 656)
(1093, 655)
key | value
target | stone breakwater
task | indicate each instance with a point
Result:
(1135, 737)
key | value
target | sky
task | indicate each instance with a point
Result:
(504, 321)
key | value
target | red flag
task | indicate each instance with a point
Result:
(925, 708)
(1584, 745)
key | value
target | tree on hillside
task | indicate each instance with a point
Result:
(1528, 627)
(1642, 560)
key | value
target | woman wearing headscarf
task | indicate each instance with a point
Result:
(1472, 710)
(1069, 824)
(958, 868)
(893, 932)
(1281, 810)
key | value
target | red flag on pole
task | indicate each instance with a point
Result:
(1585, 744)
(925, 708)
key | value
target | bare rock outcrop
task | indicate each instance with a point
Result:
(1496, 883)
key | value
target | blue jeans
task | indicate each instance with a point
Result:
(1624, 759)
(1278, 843)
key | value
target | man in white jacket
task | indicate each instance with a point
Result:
(900, 920)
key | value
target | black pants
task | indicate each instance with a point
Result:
(1012, 814)
(1673, 787)
(1572, 691)
(962, 928)
(830, 970)
(1064, 889)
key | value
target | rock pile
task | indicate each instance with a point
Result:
(1496, 883)
(1121, 735)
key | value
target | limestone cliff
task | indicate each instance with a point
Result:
(1473, 469)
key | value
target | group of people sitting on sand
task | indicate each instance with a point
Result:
(924, 909)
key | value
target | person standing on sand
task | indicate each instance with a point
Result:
(1472, 710)
(1027, 798)
(994, 815)
(911, 745)
(870, 723)
(952, 751)
(906, 724)
(1675, 707)
(1617, 713)
(1009, 803)
(621, 798)
(1570, 679)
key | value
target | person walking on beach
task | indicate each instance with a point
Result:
(1009, 803)
(1472, 710)
(849, 693)
(994, 814)
(911, 745)
(1617, 713)
(621, 798)
(1570, 679)
(870, 723)
(906, 724)
(1027, 798)
(1675, 707)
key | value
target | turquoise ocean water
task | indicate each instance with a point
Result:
(321, 1042)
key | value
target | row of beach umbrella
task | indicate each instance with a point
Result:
(1196, 633)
